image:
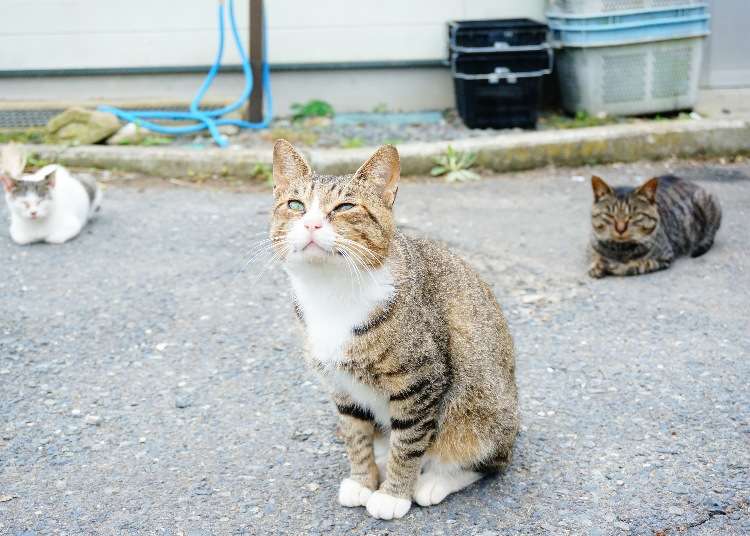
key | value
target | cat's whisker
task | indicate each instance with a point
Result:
(265, 243)
(272, 240)
(266, 247)
(266, 263)
(360, 246)
(260, 249)
(374, 259)
(359, 255)
(353, 271)
(277, 256)
(358, 260)
(358, 271)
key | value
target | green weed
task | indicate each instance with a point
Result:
(454, 165)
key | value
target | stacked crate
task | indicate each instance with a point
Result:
(497, 68)
(628, 57)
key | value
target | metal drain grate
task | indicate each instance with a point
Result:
(39, 118)
(26, 118)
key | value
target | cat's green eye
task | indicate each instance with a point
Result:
(297, 206)
(343, 206)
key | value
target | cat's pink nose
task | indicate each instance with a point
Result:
(621, 226)
(313, 225)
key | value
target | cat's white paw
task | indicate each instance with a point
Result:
(352, 493)
(384, 506)
(20, 237)
(56, 239)
(431, 489)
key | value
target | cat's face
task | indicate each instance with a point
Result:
(333, 220)
(30, 197)
(624, 214)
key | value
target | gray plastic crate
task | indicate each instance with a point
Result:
(591, 7)
(631, 79)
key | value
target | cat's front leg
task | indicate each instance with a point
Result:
(358, 428)
(20, 237)
(67, 229)
(599, 266)
(640, 266)
(412, 431)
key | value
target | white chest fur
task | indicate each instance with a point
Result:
(333, 301)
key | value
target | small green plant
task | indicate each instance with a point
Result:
(581, 119)
(455, 166)
(31, 135)
(262, 172)
(352, 143)
(380, 108)
(34, 161)
(311, 108)
(148, 141)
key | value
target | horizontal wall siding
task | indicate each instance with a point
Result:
(96, 34)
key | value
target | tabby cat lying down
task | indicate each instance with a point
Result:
(641, 230)
(412, 342)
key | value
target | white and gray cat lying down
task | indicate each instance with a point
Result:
(49, 205)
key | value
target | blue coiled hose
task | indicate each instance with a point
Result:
(205, 119)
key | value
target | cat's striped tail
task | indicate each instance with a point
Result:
(708, 212)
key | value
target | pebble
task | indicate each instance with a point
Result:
(182, 402)
(94, 420)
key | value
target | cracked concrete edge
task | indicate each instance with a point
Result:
(505, 152)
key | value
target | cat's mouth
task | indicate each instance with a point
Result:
(314, 248)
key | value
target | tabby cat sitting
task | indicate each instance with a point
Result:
(411, 341)
(643, 229)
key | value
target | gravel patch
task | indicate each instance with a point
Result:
(324, 132)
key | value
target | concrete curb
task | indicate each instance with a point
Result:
(506, 152)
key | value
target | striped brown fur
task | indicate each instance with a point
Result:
(641, 230)
(438, 351)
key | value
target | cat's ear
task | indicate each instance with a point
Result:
(50, 177)
(648, 189)
(12, 161)
(8, 183)
(288, 164)
(383, 168)
(600, 187)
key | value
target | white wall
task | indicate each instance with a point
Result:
(79, 34)
(357, 90)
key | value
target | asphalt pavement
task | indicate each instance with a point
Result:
(152, 383)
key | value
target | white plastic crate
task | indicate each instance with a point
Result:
(592, 7)
(631, 79)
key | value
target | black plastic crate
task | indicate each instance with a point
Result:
(495, 34)
(500, 90)
(519, 63)
(500, 105)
